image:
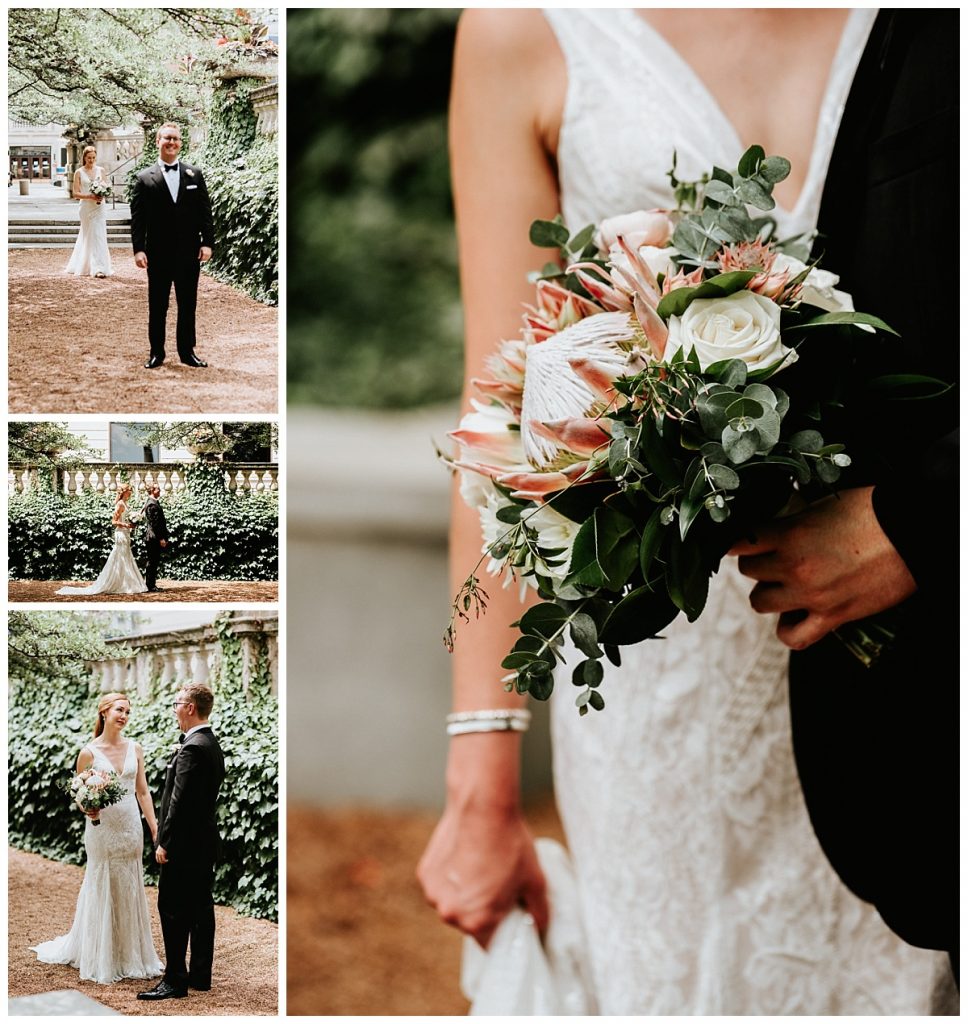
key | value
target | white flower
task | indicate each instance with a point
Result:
(743, 325)
(818, 289)
(555, 532)
(642, 227)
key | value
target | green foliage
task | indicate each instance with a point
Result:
(95, 67)
(373, 308)
(51, 716)
(46, 444)
(242, 176)
(215, 535)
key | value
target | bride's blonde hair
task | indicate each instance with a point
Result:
(103, 706)
(121, 489)
(85, 151)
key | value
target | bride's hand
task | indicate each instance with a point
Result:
(479, 864)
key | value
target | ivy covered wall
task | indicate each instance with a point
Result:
(51, 716)
(216, 535)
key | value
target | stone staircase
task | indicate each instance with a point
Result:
(37, 233)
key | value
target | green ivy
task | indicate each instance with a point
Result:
(216, 535)
(46, 735)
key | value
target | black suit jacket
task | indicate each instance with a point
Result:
(877, 749)
(187, 827)
(155, 526)
(163, 228)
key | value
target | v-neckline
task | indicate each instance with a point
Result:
(852, 24)
(124, 762)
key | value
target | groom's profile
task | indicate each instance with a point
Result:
(156, 536)
(187, 848)
(172, 235)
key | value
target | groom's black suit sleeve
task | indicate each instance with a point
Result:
(188, 814)
(877, 749)
(157, 526)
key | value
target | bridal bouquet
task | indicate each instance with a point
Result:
(99, 188)
(94, 789)
(651, 412)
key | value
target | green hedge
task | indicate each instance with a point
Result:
(51, 717)
(215, 535)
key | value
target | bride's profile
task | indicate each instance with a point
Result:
(702, 887)
(120, 574)
(110, 938)
(91, 256)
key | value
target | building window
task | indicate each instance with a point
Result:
(126, 445)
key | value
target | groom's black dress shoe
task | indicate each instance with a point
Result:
(153, 362)
(200, 986)
(193, 360)
(164, 991)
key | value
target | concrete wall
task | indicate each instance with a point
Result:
(368, 679)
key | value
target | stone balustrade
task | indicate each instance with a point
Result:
(240, 478)
(168, 659)
(265, 104)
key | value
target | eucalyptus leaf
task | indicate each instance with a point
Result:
(596, 700)
(548, 234)
(578, 242)
(740, 447)
(753, 193)
(750, 161)
(638, 616)
(584, 635)
(731, 372)
(687, 580)
(724, 476)
(807, 441)
(774, 169)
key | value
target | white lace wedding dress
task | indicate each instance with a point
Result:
(110, 938)
(91, 254)
(120, 574)
(703, 887)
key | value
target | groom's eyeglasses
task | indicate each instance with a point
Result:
(171, 138)
(177, 702)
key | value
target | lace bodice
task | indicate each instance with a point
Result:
(702, 885)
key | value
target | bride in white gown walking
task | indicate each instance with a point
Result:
(702, 886)
(110, 938)
(91, 256)
(120, 574)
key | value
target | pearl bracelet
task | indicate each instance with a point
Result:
(488, 720)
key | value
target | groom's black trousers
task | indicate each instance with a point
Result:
(163, 272)
(154, 557)
(187, 913)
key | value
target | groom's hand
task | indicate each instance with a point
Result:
(141, 260)
(161, 855)
(830, 564)
(204, 254)
(163, 543)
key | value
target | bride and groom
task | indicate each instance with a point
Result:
(110, 938)
(120, 574)
(172, 234)
(752, 832)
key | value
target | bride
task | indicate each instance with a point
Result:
(120, 574)
(110, 938)
(702, 887)
(91, 255)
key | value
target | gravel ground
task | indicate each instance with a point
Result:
(222, 591)
(360, 938)
(42, 896)
(77, 345)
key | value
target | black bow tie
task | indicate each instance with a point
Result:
(181, 738)
(170, 167)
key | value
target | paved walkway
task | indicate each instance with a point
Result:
(48, 202)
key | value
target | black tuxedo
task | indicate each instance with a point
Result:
(156, 530)
(170, 234)
(188, 832)
(877, 749)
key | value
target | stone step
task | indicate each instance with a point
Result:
(122, 230)
(59, 221)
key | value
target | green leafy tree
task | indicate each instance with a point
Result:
(47, 444)
(373, 308)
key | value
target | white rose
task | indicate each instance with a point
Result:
(743, 325)
(818, 288)
(642, 227)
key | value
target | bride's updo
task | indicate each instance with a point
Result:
(103, 706)
(122, 490)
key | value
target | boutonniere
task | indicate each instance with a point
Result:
(191, 174)
(173, 753)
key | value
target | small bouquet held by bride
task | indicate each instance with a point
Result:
(662, 398)
(100, 188)
(94, 789)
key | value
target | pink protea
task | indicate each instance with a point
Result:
(556, 308)
(755, 256)
(680, 279)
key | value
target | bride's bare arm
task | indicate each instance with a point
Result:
(117, 518)
(505, 104)
(143, 794)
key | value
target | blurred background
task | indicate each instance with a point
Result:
(374, 352)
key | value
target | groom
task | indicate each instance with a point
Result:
(172, 235)
(188, 845)
(156, 536)
(877, 749)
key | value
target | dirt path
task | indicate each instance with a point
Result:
(42, 896)
(223, 591)
(78, 344)
(360, 938)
